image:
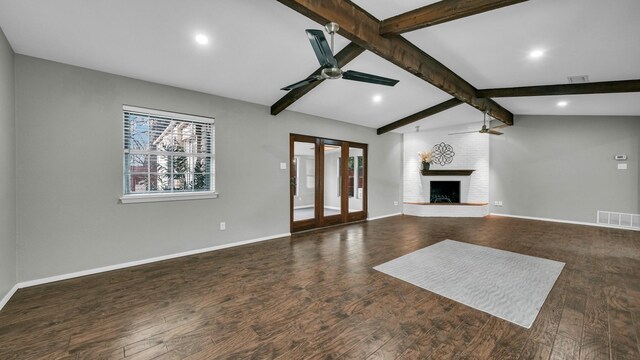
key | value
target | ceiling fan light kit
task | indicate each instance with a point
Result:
(329, 64)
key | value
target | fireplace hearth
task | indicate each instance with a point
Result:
(445, 192)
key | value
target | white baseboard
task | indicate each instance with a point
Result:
(6, 298)
(134, 263)
(383, 216)
(561, 221)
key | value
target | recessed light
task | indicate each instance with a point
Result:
(562, 103)
(202, 39)
(536, 54)
(377, 98)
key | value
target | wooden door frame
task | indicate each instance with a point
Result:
(319, 219)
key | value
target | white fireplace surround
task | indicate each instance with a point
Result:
(471, 152)
(423, 208)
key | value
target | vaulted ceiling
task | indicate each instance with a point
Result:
(257, 47)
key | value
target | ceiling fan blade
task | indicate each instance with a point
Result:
(493, 132)
(368, 78)
(464, 132)
(302, 83)
(321, 48)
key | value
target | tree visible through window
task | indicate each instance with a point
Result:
(167, 153)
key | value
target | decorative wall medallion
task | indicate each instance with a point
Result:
(443, 154)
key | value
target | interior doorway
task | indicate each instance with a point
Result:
(328, 182)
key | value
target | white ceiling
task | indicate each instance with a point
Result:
(257, 47)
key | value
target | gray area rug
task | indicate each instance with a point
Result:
(510, 286)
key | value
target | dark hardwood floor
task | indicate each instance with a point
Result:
(315, 295)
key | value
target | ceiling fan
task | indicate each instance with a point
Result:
(329, 64)
(485, 129)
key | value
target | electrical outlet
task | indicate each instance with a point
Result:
(497, 203)
(622, 166)
(395, 203)
(223, 226)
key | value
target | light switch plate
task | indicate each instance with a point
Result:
(622, 166)
(283, 166)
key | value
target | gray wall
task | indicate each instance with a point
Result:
(7, 170)
(562, 167)
(69, 156)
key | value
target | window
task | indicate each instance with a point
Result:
(167, 156)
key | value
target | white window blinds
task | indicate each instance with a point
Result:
(167, 153)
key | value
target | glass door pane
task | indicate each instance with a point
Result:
(332, 200)
(303, 180)
(355, 181)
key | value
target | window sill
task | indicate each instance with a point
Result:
(143, 198)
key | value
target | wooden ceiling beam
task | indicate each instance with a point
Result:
(437, 13)
(363, 29)
(350, 52)
(420, 115)
(602, 87)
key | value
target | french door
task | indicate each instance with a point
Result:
(328, 182)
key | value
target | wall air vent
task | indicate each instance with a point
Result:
(619, 220)
(578, 79)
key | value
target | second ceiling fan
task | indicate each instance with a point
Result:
(329, 64)
(485, 129)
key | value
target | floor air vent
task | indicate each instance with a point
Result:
(620, 220)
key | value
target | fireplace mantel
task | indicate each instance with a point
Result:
(451, 172)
